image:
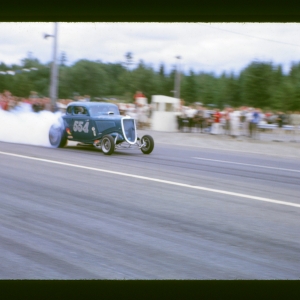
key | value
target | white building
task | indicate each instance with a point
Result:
(164, 113)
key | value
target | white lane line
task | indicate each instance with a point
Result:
(234, 150)
(156, 180)
(243, 164)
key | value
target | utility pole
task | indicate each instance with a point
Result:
(177, 80)
(54, 71)
(129, 58)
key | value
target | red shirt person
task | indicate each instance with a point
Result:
(3, 102)
(217, 116)
(137, 95)
(216, 129)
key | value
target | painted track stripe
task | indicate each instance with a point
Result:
(243, 164)
(156, 180)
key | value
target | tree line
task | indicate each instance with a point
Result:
(260, 84)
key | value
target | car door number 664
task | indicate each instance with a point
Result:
(78, 126)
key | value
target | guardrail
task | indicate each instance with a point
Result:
(275, 126)
(185, 122)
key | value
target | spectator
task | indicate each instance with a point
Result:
(254, 123)
(5, 98)
(262, 116)
(122, 109)
(179, 122)
(199, 119)
(131, 111)
(208, 119)
(280, 123)
(142, 116)
(248, 125)
(272, 119)
(234, 122)
(190, 113)
(37, 104)
(33, 95)
(87, 98)
(183, 118)
(47, 104)
(25, 105)
(216, 126)
(4, 103)
(139, 94)
(136, 96)
(287, 118)
(12, 103)
(268, 117)
(243, 121)
(226, 117)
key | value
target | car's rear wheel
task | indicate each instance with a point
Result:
(57, 137)
(148, 142)
(108, 145)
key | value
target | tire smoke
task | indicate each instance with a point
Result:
(23, 126)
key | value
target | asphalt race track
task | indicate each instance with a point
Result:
(178, 213)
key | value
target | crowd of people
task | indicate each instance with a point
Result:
(141, 113)
(234, 122)
(194, 118)
(35, 103)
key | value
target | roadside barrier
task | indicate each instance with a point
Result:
(275, 126)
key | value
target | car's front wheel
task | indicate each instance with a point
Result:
(57, 137)
(148, 144)
(108, 145)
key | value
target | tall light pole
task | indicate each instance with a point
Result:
(177, 80)
(54, 71)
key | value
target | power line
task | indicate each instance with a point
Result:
(269, 40)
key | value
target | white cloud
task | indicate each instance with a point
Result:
(214, 47)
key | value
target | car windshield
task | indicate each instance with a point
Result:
(103, 110)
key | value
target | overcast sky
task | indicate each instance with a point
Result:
(203, 47)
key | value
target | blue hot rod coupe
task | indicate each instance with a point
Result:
(98, 124)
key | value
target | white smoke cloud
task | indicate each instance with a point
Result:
(23, 126)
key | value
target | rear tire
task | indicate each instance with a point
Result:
(108, 145)
(149, 144)
(57, 137)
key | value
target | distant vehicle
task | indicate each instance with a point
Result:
(98, 124)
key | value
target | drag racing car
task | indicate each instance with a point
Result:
(98, 124)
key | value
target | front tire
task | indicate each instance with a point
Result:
(149, 144)
(108, 145)
(57, 137)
